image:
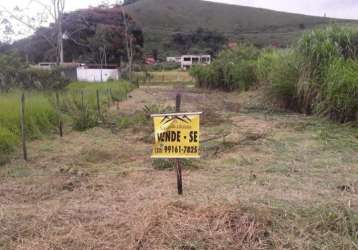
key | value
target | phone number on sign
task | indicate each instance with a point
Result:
(181, 149)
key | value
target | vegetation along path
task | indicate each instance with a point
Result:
(266, 180)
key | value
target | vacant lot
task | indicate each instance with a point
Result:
(266, 180)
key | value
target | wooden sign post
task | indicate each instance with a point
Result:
(177, 161)
(177, 137)
(60, 124)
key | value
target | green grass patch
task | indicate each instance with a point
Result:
(79, 101)
(78, 105)
(40, 118)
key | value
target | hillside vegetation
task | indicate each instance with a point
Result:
(160, 19)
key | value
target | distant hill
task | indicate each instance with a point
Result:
(160, 19)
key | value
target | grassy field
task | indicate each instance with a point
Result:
(164, 77)
(40, 119)
(42, 115)
(266, 180)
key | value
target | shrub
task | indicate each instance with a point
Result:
(44, 79)
(316, 50)
(81, 109)
(15, 73)
(340, 92)
(233, 69)
(282, 74)
(318, 76)
(204, 76)
(264, 64)
(11, 69)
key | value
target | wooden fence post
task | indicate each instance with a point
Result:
(23, 129)
(60, 124)
(82, 101)
(109, 98)
(177, 161)
(98, 104)
(83, 111)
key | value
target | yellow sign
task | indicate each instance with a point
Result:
(176, 135)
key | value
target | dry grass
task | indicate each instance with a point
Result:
(165, 77)
(275, 181)
(182, 226)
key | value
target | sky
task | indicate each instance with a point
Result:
(332, 8)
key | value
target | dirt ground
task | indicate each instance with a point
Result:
(266, 180)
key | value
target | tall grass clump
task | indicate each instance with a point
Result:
(232, 69)
(281, 70)
(321, 53)
(319, 75)
(340, 92)
(264, 64)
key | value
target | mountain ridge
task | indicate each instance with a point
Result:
(160, 19)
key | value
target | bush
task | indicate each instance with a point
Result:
(264, 64)
(81, 109)
(233, 69)
(204, 76)
(14, 73)
(340, 92)
(320, 75)
(279, 70)
(44, 79)
(11, 69)
(316, 51)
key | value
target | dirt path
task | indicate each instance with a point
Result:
(99, 190)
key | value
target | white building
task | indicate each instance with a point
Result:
(96, 74)
(84, 72)
(173, 59)
(189, 60)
